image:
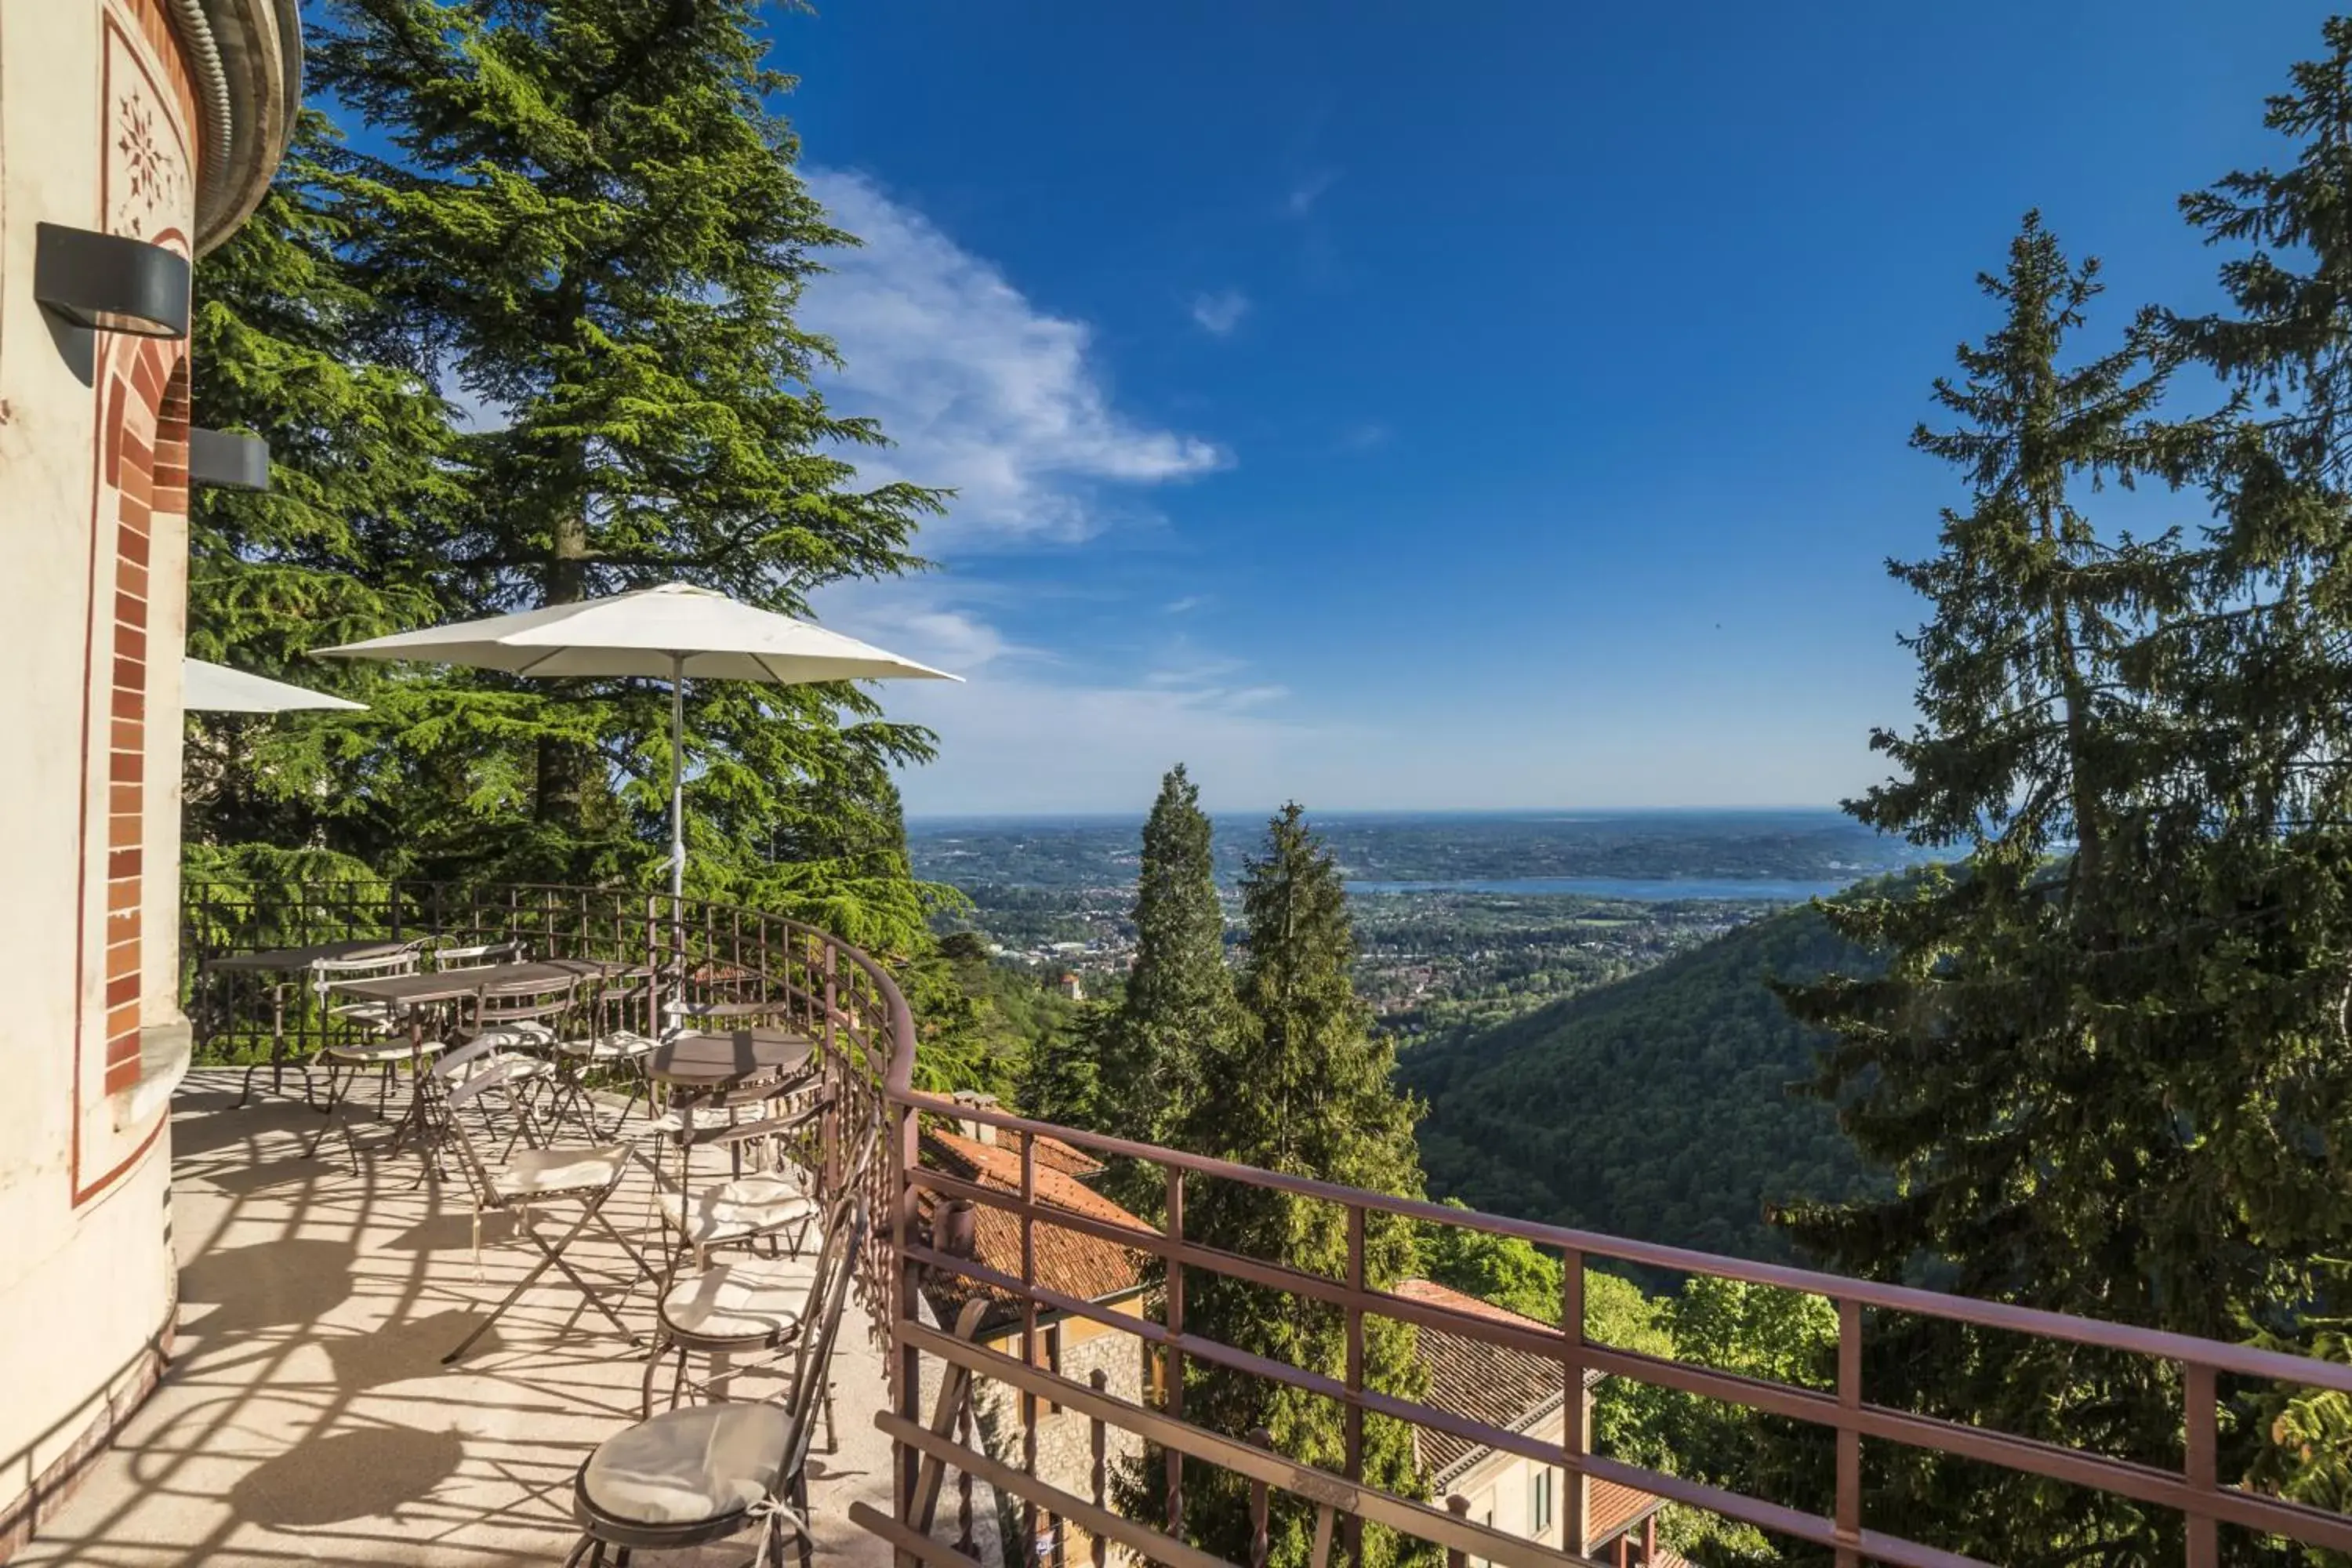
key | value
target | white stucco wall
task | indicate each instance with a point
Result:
(86, 1278)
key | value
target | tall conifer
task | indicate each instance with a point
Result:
(2003, 1066)
(1302, 1087)
(1178, 1008)
(2266, 677)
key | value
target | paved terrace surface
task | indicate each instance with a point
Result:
(306, 1417)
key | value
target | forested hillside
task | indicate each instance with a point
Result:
(1656, 1107)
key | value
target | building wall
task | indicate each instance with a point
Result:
(96, 131)
(1076, 1348)
(1501, 1487)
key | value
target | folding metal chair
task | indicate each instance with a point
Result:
(707, 1472)
(534, 1178)
(603, 1045)
(372, 1025)
(764, 1204)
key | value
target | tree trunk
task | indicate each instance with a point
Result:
(564, 766)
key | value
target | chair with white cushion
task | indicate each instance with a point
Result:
(707, 1472)
(763, 1205)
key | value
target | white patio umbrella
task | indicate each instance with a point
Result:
(217, 689)
(677, 632)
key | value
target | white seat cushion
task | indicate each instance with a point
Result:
(372, 1053)
(520, 1070)
(535, 1173)
(618, 1045)
(517, 1032)
(746, 1297)
(748, 1205)
(703, 1462)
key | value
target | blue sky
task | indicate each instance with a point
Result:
(1490, 406)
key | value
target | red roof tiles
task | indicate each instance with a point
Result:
(1069, 1262)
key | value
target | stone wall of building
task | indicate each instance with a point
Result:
(99, 129)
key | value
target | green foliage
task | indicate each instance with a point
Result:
(1503, 1269)
(983, 1025)
(586, 222)
(1063, 1083)
(1178, 1009)
(1657, 1107)
(2100, 1059)
(2006, 1063)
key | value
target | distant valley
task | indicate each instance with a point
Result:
(1580, 996)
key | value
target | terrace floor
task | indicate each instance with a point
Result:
(306, 1416)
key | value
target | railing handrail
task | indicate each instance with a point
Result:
(2157, 1343)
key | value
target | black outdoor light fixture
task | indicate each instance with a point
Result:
(108, 283)
(231, 462)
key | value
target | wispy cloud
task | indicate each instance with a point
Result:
(1180, 606)
(1364, 436)
(1306, 190)
(982, 390)
(1218, 314)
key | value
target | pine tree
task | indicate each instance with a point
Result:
(587, 221)
(344, 546)
(1179, 1006)
(2019, 1064)
(1302, 1089)
(2266, 674)
(1063, 1080)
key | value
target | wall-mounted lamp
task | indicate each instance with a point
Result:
(233, 462)
(110, 283)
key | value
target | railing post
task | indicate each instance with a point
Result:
(1849, 1439)
(1575, 1442)
(2203, 1467)
(1175, 1357)
(904, 1156)
(1459, 1507)
(1351, 1528)
(1029, 1329)
(1097, 1441)
(1260, 1538)
(963, 1475)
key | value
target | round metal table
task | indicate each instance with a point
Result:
(705, 1063)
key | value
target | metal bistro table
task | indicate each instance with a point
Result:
(725, 1069)
(412, 994)
(291, 962)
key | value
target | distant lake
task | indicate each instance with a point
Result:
(1643, 890)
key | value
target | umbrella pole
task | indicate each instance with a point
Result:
(677, 776)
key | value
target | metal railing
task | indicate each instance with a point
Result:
(2194, 1490)
(704, 952)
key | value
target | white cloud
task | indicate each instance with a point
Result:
(1181, 606)
(1218, 314)
(983, 391)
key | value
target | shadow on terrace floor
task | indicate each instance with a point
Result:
(306, 1416)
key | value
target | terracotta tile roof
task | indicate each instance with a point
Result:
(1611, 1509)
(1494, 1384)
(1504, 1387)
(1067, 1261)
(1066, 1157)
